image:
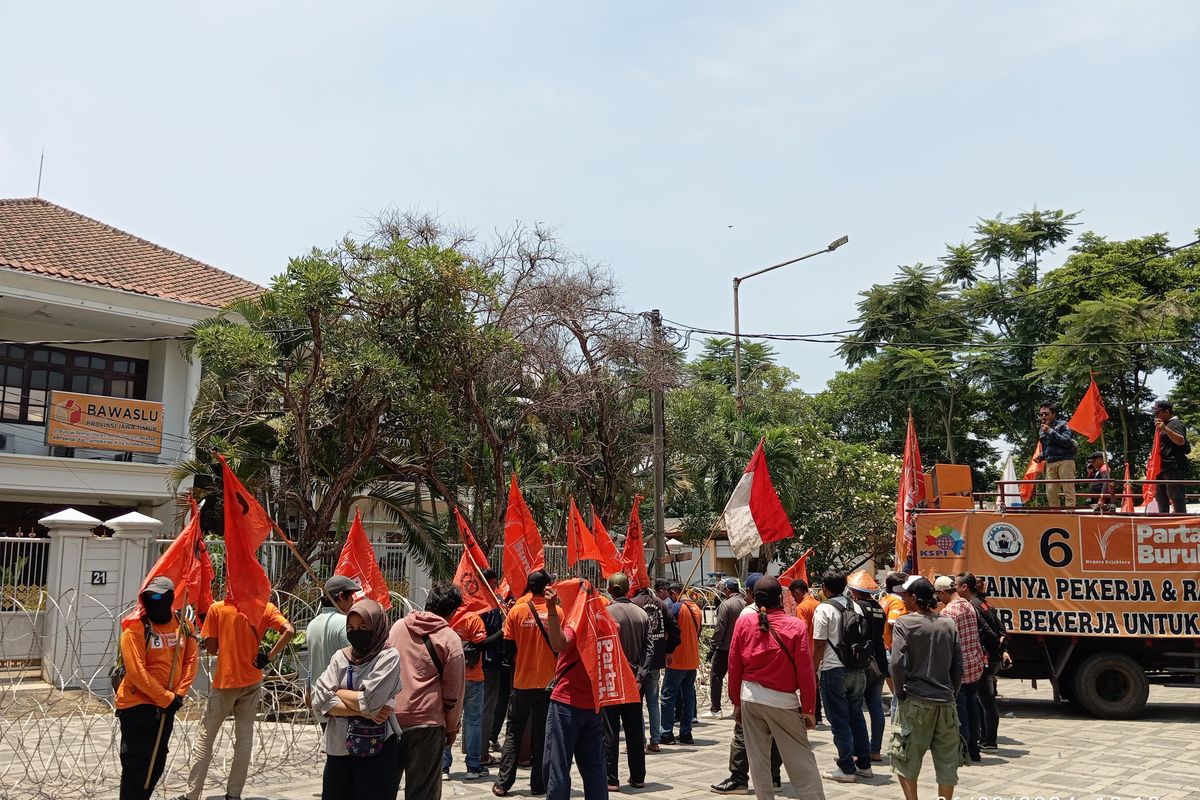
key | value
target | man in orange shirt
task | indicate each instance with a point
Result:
(159, 669)
(472, 632)
(533, 670)
(236, 686)
(680, 678)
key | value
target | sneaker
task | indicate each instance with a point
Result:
(667, 738)
(686, 738)
(476, 774)
(713, 715)
(841, 777)
(777, 783)
(445, 774)
(494, 746)
(864, 773)
(988, 747)
(730, 786)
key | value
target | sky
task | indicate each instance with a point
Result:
(680, 143)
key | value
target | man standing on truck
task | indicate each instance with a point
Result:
(1174, 451)
(1058, 451)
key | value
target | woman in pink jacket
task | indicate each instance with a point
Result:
(774, 692)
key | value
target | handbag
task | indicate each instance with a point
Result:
(364, 737)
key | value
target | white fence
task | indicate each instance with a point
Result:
(23, 565)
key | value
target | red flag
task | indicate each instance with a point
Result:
(1090, 414)
(1127, 500)
(797, 570)
(910, 496)
(1153, 468)
(754, 515)
(186, 563)
(358, 562)
(522, 542)
(633, 555)
(610, 559)
(598, 641)
(247, 525)
(471, 545)
(1036, 467)
(581, 545)
(476, 594)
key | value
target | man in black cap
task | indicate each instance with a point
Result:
(326, 634)
(1173, 449)
(1099, 491)
(718, 652)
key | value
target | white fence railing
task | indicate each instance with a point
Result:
(23, 564)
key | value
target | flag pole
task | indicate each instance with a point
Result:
(711, 532)
(312, 574)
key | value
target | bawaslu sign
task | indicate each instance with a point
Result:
(104, 423)
(1074, 574)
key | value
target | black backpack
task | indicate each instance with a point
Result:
(855, 648)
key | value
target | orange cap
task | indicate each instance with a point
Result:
(861, 580)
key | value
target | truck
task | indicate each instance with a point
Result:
(1099, 604)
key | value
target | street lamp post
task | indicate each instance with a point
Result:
(737, 332)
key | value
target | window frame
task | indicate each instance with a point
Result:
(107, 374)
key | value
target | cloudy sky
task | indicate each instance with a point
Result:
(681, 143)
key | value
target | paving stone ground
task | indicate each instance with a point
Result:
(1046, 750)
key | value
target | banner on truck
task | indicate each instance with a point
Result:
(1074, 574)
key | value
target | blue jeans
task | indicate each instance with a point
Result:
(873, 698)
(969, 715)
(678, 683)
(574, 733)
(653, 709)
(472, 733)
(842, 693)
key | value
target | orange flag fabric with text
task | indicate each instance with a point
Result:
(910, 496)
(187, 564)
(1035, 468)
(247, 525)
(1153, 467)
(471, 545)
(633, 555)
(523, 550)
(581, 545)
(610, 559)
(358, 561)
(598, 641)
(1090, 414)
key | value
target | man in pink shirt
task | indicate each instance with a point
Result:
(774, 689)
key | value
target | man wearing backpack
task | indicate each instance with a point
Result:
(842, 648)
(1058, 451)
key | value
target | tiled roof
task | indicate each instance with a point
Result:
(41, 237)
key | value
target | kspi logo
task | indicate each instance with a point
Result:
(1003, 542)
(943, 541)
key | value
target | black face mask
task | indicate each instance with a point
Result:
(360, 640)
(159, 611)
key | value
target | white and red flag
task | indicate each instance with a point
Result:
(910, 496)
(754, 515)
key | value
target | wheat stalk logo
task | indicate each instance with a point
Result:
(1102, 539)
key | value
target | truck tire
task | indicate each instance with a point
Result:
(1111, 686)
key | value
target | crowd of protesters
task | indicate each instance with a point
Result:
(394, 702)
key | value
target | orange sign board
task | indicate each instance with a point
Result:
(1074, 574)
(104, 423)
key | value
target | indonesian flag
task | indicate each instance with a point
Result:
(610, 559)
(1127, 500)
(598, 641)
(1036, 467)
(247, 525)
(471, 546)
(1153, 468)
(633, 555)
(1090, 414)
(754, 515)
(358, 562)
(910, 496)
(522, 542)
(797, 570)
(186, 563)
(581, 545)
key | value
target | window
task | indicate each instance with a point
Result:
(29, 374)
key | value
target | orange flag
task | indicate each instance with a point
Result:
(797, 570)
(581, 545)
(247, 525)
(1153, 468)
(522, 542)
(1127, 500)
(471, 545)
(633, 555)
(476, 594)
(186, 563)
(358, 562)
(610, 559)
(1034, 469)
(598, 642)
(1090, 414)
(909, 497)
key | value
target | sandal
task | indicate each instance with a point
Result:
(499, 790)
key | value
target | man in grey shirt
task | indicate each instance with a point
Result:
(927, 670)
(326, 634)
(633, 625)
(718, 654)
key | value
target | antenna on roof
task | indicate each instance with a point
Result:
(41, 162)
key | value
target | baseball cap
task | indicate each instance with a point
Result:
(159, 585)
(731, 584)
(752, 579)
(943, 583)
(341, 583)
(1097, 454)
(918, 587)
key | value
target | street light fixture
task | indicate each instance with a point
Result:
(737, 332)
